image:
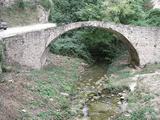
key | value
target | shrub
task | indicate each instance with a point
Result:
(153, 17)
(46, 4)
(71, 47)
(21, 4)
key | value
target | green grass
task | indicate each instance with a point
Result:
(139, 101)
(150, 68)
(140, 114)
(121, 75)
(47, 86)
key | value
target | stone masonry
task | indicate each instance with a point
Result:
(29, 47)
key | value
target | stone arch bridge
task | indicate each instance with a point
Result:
(27, 46)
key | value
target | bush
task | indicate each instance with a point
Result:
(96, 42)
(140, 114)
(21, 4)
(153, 17)
(46, 4)
(72, 47)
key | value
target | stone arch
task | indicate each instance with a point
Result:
(118, 30)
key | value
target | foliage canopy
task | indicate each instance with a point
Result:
(84, 42)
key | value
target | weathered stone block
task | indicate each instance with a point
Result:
(28, 46)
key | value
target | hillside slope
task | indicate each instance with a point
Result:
(25, 13)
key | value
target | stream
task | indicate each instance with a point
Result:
(95, 103)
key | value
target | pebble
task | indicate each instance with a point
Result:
(92, 100)
(64, 94)
(132, 86)
(96, 97)
(105, 76)
(129, 111)
(118, 102)
(88, 84)
(127, 115)
(103, 96)
(120, 94)
(11, 81)
(124, 91)
(51, 99)
(23, 110)
(93, 87)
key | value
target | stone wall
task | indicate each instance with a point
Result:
(1, 52)
(30, 48)
(143, 42)
(156, 4)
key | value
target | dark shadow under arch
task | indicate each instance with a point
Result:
(134, 57)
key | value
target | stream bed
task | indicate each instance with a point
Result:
(95, 102)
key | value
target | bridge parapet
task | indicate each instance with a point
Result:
(28, 45)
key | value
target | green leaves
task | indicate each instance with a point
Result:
(71, 46)
(123, 11)
(91, 12)
(66, 11)
(153, 17)
(47, 4)
(84, 42)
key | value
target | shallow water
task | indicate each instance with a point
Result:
(101, 105)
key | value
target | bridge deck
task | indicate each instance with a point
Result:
(24, 29)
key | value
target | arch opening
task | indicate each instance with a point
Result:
(133, 55)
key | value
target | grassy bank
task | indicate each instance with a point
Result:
(40, 95)
(141, 101)
(49, 84)
(19, 14)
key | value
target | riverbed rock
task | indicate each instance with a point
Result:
(105, 76)
(96, 97)
(23, 110)
(118, 102)
(127, 115)
(123, 106)
(132, 86)
(64, 94)
(11, 81)
(84, 64)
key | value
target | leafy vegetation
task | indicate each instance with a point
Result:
(83, 42)
(140, 101)
(47, 4)
(71, 46)
(89, 44)
(153, 17)
(47, 85)
(140, 114)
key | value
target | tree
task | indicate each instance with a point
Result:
(153, 17)
(124, 11)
